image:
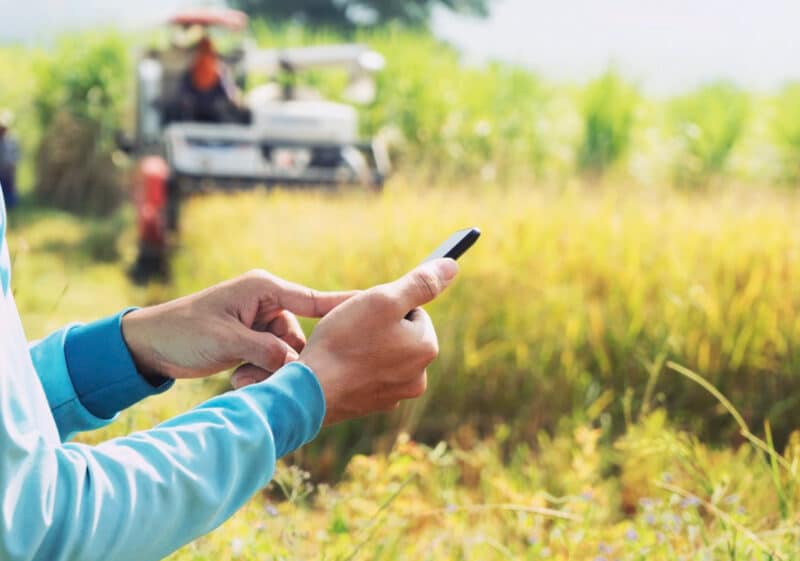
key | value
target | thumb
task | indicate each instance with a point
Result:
(248, 374)
(264, 350)
(423, 284)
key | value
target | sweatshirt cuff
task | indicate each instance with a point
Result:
(102, 370)
(300, 416)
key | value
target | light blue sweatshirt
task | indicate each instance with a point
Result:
(141, 496)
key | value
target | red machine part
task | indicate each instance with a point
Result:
(152, 175)
(232, 19)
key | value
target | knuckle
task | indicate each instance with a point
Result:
(256, 277)
(274, 355)
(312, 296)
(256, 274)
(427, 284)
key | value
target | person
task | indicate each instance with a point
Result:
(9, 157)
(206, 93)
(141, 496)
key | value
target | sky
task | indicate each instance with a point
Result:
(667, 46)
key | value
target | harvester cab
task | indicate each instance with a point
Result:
(198, 130)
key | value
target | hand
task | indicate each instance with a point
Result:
(247, 319)
(369, 352)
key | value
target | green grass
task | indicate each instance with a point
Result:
(450, 122)
(786, 131)
(609, 108)
(709, 123)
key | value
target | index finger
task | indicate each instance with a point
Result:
(308, 302)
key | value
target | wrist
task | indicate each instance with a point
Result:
(321, 369)
(134, 334)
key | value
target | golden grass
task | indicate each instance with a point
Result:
(563, 318)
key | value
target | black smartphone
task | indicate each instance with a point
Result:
(456, 245)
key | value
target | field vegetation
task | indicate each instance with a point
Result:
(618, 375)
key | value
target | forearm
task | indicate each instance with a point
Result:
(143, 496)
(89, 375)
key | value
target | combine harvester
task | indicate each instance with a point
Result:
(279, 133)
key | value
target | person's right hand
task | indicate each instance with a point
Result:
(367, 355)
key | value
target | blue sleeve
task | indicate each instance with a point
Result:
(102, 370)
(88, 374)
(140, 497)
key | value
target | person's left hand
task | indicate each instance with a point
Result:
(247, 319)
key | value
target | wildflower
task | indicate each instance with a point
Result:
(271, 510)
(732, 499)
(237, 546)
(483, 128)
(647, 503)
(631, 535)
(690, 502)
(532, 540)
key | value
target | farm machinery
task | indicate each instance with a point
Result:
(278, 133)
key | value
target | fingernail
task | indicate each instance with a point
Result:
(291, 356)
(446, 269)
(244, 381)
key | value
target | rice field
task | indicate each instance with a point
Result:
(557, 424)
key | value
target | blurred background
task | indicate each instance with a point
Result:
(618, 376)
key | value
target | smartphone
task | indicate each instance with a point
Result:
(456, 245)
(453, 247)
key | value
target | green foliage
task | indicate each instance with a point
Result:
(79, 101)
(457, 121)
(87, 75)
(609, 107)
(449, 121)
(16, 71)
(707, 123)
(786, 130)
(348, 14)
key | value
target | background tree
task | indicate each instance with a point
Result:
(350, 13)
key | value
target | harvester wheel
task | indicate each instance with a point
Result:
(152, 198)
